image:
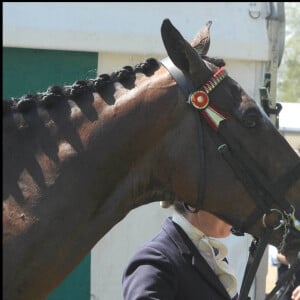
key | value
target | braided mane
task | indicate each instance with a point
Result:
(54, 94)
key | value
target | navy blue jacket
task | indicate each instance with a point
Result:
(169, 267)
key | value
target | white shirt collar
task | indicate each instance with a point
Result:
(205, 246)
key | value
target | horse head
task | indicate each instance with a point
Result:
(242, 152)
(78, 158)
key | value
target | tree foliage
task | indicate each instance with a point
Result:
(289, 70)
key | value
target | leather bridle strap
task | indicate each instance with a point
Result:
(187, 88)
(253, 263)
(254, 259)
(242, 162)
(184, 83)
(257, 185)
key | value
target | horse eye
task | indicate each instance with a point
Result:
(251, 119)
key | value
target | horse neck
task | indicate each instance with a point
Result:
(87, 164)
(89, 147)
(146, 136)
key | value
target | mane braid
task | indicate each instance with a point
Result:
(78, 88)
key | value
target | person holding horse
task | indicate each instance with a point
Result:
(184, 260)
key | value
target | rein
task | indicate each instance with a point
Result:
(247, 171)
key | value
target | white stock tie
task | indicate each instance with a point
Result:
(213, 251)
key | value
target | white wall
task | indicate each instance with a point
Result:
(134, 27)
(289, 124)
(111, 254)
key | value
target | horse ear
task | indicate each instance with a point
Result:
(183, 55)
(201, 42)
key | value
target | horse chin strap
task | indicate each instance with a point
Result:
(246, 170)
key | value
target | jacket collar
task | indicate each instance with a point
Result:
(191, 254)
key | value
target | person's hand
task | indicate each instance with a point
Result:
(282, 259)
(296, 293)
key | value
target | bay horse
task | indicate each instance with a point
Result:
(77, 159)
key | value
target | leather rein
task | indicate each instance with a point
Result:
(247, 171)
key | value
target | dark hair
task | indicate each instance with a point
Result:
(180, 208)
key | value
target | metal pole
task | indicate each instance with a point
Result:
(276, 36)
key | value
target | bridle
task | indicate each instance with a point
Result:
(247, 171)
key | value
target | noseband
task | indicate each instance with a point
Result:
(244, 167)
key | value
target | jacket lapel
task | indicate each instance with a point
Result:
(207, 273)
(192, 255)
